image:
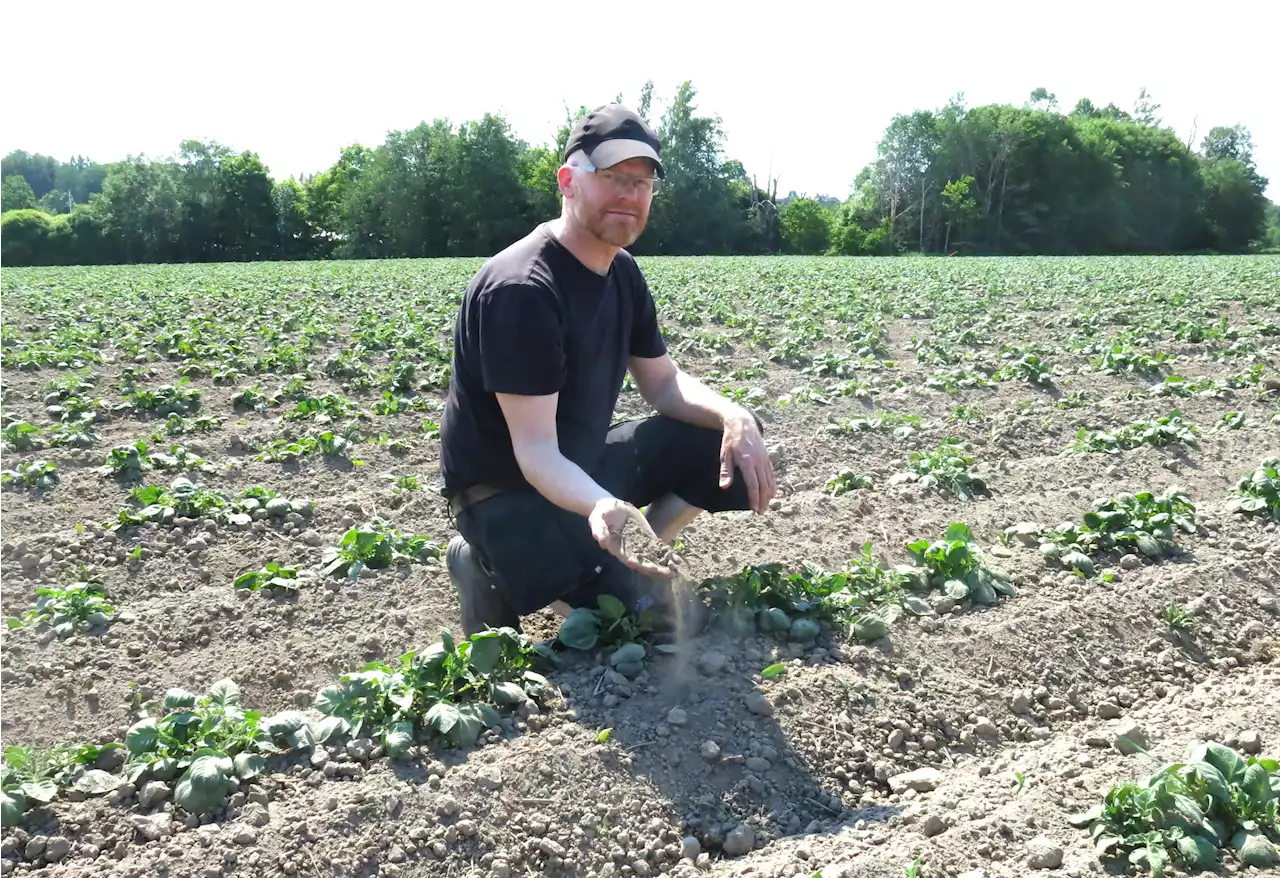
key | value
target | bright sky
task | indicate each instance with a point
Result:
(804, 87)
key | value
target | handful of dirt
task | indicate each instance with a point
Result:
(640, 544)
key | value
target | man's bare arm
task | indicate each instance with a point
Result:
(531, 420)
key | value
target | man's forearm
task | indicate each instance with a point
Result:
(685, 398)
(559, 479)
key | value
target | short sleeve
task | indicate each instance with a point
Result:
(521, 343)
(646, 338)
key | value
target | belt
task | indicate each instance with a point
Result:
(471, 496)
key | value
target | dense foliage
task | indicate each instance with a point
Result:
(990, 179)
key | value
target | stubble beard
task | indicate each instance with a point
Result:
(614, 230)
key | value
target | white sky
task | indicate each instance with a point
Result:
(804, 86)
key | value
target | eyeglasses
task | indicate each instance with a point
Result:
(625, 183)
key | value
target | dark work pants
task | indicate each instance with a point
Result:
(541, 553)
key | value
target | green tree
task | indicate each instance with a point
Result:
(1235, 209)
(16, 194)
(294, 237)
(959, 209)
(806, 226)
(38, 170)
(24, 236)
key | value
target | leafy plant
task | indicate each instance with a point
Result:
(1144, 523)
(38, 474)
(1026, 367)
(1230, 421)
(1177, 618)
(208, 742)
(1122, 359)
(272, 576)
(1189, 811)
(1258, 492)
(1161, 432)
(166, 399)
(22, 436)
(78, 606)
(954, 566)
(376, 546)
(449, 689)
(945, 468)
(36, 775)
(611, 624)
(845, 481)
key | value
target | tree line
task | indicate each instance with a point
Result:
(993, 179)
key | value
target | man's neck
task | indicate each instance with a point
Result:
(589, 250)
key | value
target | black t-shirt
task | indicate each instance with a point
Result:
(535, 321)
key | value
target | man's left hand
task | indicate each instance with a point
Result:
(743, 447)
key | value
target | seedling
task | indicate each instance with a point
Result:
(40, 475)
(1190, 811)
(35, 776)
(611, 624)
(22, 436)
(1159, 433)
(376, 546)
(1027, 367)
(1230, 421)
(273, 576)
(209, 742)
(946, 468)
(1258, 492)
(449, 689)
(845, 481)
(166, 399)
(954, 565)
(76, 607)
(1177, 618)
(1122, 359)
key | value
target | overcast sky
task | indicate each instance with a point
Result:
(805, 88)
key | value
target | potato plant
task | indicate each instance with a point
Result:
(80, 606)
(946, 468)
(1142, 523)
(22, 436)
(273, 576)
(1161, 432)
(954, 565)
(185, 499)
(208, 742)
(845, 481)
(1188, 812)
(34, 776)
(375, 546)
(39, 475)
(1258, 492)
(610, 624)
(450, 690)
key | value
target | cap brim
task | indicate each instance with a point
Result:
(611, 152)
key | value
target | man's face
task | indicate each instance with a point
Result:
(609, 205)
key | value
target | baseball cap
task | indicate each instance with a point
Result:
(612, 133)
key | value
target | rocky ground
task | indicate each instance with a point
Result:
(960, 742)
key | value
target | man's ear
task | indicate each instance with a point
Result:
(564, 177)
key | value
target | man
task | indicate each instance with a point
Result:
(538, 481)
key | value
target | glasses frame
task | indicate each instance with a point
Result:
(614, 177)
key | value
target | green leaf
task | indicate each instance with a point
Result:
(397, 738)
(602, 736)
(959, 531)
(1257, 784)
(326, 728)
(13, 804)
(249, 765)
(1198, 853)
(467, 729)
(955, 589)
(442, 717)
(611, 608)
(509, 694)
(580, 629)
(284, 722)
(204, 787)
(176, 699)
(774, 671)
(142, 736)
(42, 791)
(917, 605)
(486, 650)
(628, 653)
(224, 693)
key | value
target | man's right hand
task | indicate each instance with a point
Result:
(607, 520)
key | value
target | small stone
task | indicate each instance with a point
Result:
(933, 825)
(712, 661)
(690, 847)
(245, 835)
(740, 841)
(758, 704)
(152, 827)
(1129, 561)
(153, 793)
(1250, 741)
(135, 648)
(709, 751)
(551, 848)
(896, 737)
(985, 728)
(1130, 738)
(1021, 701)
(35, 847)
(1107, 710)
(57, 849)
(489, 778)
(311, 538)
(676, 716)
(758, 765)
(922, 780)
(1043, 853)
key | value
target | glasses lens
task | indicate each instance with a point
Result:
(657, 185)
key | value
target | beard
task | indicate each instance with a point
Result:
(614, 228)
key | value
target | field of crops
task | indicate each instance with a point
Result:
(1014, 608)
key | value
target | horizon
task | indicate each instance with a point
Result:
(786, 117)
